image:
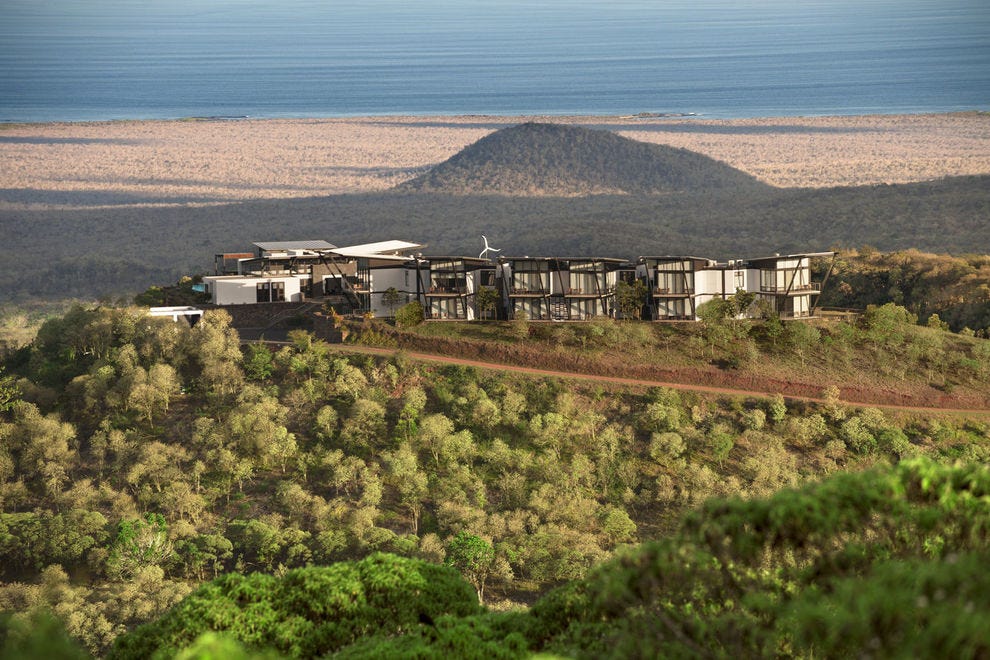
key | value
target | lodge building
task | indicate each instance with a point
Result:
(378, 278)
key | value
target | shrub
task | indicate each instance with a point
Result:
(310, 611)
(36, 635)
(409, 315)
(827, 570)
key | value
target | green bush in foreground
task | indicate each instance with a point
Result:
(889, 562)
(824, 570)
(310, 611)
(36, 635)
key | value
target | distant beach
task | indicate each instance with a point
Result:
(219, 160)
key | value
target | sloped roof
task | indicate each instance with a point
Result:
(271, 246)
(782, 257)
(378, 257)
(382, 248)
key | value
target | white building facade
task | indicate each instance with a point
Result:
(678, 285)
(536, 288)
(558, 289)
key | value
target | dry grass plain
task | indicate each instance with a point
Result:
(139, 163)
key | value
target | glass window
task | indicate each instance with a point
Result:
(675, 282)
(670, 308)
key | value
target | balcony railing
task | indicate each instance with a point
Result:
(589, 293)
(661, 291)
(797, 289)
(446, 291)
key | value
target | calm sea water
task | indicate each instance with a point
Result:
(118, 59)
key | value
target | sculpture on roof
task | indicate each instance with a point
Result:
(488, 248)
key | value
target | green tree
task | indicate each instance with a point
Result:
(153, 296)
(152, 392)
(486, 301)
(886, 324)
(434, 433)
(257, 362)
(9, 392)
(156, 465)
(326, 423)
(721, 441)
(474, 557)
(404, 475)
(413, 402)
(308, 612)
(390, 298)
(630, 298)
(365, 426)
(936, 323)
(142, 542)
(37, 634)
(773, 328)
(45, 445)
(742, 302)
(663, 411)
(715, 316)
(777, 408)
(802, 339)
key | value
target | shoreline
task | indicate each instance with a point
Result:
(6, 124)
(646, 115)
(222, 160)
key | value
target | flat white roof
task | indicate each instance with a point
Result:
(379, 257)
(252, 277)
(380, 249)
(792, 256)
(270, 246)
(175, 311)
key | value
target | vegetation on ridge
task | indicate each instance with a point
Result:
(879, 357)
(891, 560)
(612, 197)
(141, 457)
(552, 159)
(956, 289)
(130, 249)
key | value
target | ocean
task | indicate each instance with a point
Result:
(80, 60)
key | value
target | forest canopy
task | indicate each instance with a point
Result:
(142, 459)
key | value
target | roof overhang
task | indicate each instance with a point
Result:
(609, 260)
(277, 246)
(378, 250)
(782, 257)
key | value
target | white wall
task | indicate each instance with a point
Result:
(234, 290)
(707, 284)
(400, 278)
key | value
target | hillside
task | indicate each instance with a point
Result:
(142, 458)
(956, 289)
(128, 249)
(891, 560)
(552, 159)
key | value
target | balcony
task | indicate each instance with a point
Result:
(796, 290)
(446, 291)
(523, 292)
(588, 293)
(672, 293)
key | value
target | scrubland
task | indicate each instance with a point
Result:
(203, 161)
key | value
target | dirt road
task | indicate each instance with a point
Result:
(634, 382)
